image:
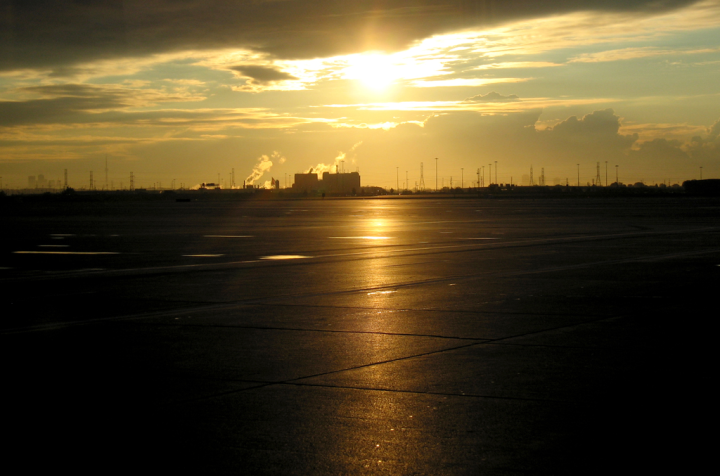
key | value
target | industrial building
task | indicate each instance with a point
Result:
(335, 184)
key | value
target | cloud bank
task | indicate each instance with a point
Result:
(59, 33)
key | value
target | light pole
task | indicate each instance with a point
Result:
(436, 175)
(490, 173)
(578, 165)
(462, 177)
(496, 181)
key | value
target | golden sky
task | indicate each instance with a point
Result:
(188, 91)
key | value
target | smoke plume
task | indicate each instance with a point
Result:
(264, 164)
(335, 165)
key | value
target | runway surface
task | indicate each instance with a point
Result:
(395, 336)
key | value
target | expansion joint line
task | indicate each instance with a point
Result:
(298, 381)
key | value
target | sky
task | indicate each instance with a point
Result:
(440, 92)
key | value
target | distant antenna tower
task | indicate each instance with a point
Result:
(422, 178)
(542, 177)
(532, 181)
(598, 181)
(91, 181)
(132, 181)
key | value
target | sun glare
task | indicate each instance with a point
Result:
(374, 71)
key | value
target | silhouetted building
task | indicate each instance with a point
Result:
(702, 187)
(306, 182)
(340, 184)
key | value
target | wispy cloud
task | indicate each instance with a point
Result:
(636, 53)
(490, 107)
(465, 82)
(518, 65)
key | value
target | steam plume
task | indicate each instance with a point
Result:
(264, 164)
(321, 168)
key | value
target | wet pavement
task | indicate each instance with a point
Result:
(352, 336)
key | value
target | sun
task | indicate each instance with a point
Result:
(374, 71)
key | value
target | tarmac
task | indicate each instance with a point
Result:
(443, 337)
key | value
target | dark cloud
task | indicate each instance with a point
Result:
(60, 104)
(595, 137)
(706, 150)
(81, 112)
(90, 105)
(59, 33)
(262, 74)
(84, 104)
(598, 126)
(75, 90)
(660, 149)
(599, 123)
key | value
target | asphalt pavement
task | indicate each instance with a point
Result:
(375, 336)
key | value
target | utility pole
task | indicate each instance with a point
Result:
(496, 180)
(462, 178)
(490, 173)
(436, 174)
(606, 181)
(578, 165)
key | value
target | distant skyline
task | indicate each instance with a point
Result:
(188, 91)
